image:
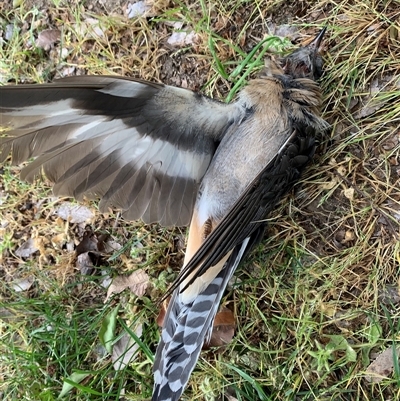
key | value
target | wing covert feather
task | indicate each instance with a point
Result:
(141, 147)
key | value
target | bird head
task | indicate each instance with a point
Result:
(305, 62)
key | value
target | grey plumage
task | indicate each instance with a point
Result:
(117, 139)
(166, 154)
(254, 166)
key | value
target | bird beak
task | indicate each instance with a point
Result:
(316, 43)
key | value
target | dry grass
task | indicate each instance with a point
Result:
(318, 298)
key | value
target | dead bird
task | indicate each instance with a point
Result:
(169, 155)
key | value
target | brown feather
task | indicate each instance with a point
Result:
(127, 141)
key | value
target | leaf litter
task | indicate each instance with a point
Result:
(137, 283)
(382, 367)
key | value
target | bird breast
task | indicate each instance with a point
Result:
(246, 149)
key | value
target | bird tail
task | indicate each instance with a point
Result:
(186, 328)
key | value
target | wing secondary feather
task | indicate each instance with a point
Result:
(138, 146)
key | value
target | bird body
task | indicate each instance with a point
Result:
(233, 170)
(172, 156)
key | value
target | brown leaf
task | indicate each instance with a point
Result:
(89, 251)
(382, 367)
(223, 329)
(91, 242)
(137, 282)
(163, 311)
(47, 38)
(88, 243)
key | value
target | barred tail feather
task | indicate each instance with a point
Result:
(186, 328)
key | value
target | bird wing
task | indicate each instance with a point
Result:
(188, 325)
(138, 146)
(252, 207)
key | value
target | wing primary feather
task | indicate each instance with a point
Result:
(84, 117)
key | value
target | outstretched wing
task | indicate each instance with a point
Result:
(140, 147)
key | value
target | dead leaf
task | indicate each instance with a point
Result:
(349, 236)
(89, 251)
(9, 31)
(74, 213)
(390, 295)
(8, 315)
(90, 28)
(353, 103)
(85, 264)
(91, 242)
(382, 366)
(27, 249)
(329, 184)
(139, 9)
(163, 311)
(230, 398)
(182, 37)
(342, 170)
(349, 193)
(47, 38)
(88, 243)
(125, 348)
(111, 246)
(371, 103)
(223, 329)
(137, 282)
(285, 31)
(66, 71)
(374, 27)
(59, 239)
(106, 280)
(23, 284)
(345, 321)
(328, 309)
